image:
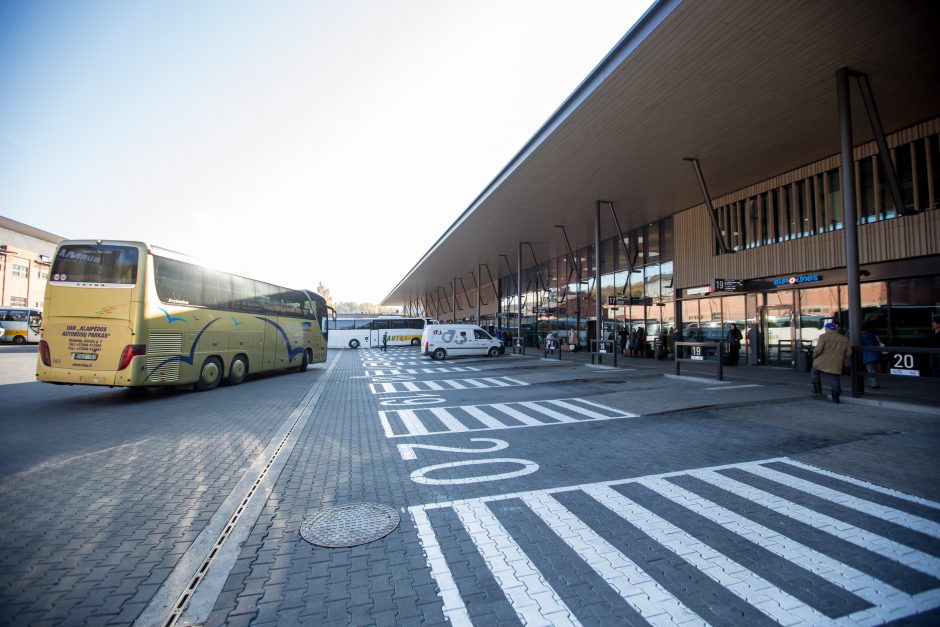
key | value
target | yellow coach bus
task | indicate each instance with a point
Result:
(127, 314)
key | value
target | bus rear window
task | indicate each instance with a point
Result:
(95, 264)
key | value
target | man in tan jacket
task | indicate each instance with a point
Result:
(831, 351)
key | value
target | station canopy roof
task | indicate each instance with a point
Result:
(746, 87)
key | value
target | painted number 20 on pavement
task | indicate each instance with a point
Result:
(407, 452)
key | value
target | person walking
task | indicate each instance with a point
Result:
(641, 342)
(733, 338)
(871, 359)
(832, 349)
(385, 341)
(622, 335)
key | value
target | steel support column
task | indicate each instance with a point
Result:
(884, 152)
(519, 298)
(598, 323)
(850, 222)
(708, 203)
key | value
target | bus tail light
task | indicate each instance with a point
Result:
(131, 351)
(44, 353)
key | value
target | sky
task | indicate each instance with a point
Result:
(295, 142)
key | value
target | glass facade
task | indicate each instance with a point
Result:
(640, 267)
(813, 205)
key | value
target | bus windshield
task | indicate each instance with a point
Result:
(84, 263)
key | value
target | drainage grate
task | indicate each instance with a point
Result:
(349, 525)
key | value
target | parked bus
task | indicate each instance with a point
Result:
(356, 332)
(20, 324)
(128, 314)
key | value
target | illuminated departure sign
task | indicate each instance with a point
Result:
(624, 301)
(727, 285)
(795, 280)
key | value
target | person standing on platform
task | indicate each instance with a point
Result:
(622, 335)
(734, 337)
(832, 349)
(385, 341)
(871, 359)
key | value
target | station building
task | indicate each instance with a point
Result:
(695, 179)
(25, 257)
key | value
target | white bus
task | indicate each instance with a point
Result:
(356, 332)
(20, 324)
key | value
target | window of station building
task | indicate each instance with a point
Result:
(905, 170)
(867, 210)
(914, 303)
(933, 152)
(667, 246)
(787, 222)
(833, 200)
(18, 301)
(801, 209)
(19, 271)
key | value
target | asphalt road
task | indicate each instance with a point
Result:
(528, 491)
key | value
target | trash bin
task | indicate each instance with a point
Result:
(804, 360)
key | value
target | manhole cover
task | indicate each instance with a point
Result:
(349, 525)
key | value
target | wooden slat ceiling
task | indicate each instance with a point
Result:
(747, 87)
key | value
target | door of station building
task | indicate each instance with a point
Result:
(778, 341)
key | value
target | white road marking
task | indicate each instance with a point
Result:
(872, 542)
(839, 574)
(534, 601)
(895, 516)
(514, 571)
(651, 601)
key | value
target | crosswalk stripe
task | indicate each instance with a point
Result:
(411, 421)
(537, 597)
(842, 575)
(534, 601)
(890, 549)
(434, 385)
(453, 383)
(476, 383)
(548, 412)
(518, 415)
(580, 410)
(411, 387)
(881, 511)
(653, 602)
(755, 590)
(865, 484)
(483, 417)
(454, 608)
(449, 420)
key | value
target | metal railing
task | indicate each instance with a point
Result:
(697, 353)
(602, 348)
(902, 365)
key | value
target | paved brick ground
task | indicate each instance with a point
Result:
(102, 492)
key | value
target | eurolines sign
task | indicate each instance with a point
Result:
(794, 280)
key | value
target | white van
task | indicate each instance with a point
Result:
(455, 340)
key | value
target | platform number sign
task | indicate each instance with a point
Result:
(697, 353)
(903, 364)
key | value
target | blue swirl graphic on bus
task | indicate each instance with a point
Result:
(291, 352)
(169, 318)
(183, 358)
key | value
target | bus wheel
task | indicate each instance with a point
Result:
(353, 343)
(415, 341)
(304, 363)
(210, 375)
(237, 371)
(19, 339)
(439, 354)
